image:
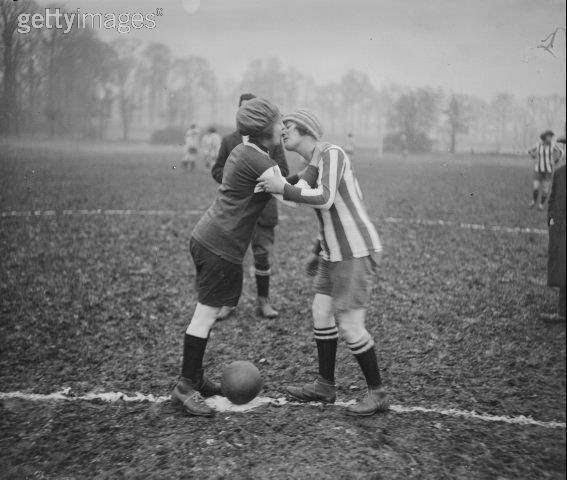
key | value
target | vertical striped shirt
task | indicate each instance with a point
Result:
(345, 230)
(545, 156)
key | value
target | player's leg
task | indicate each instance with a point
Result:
(545, 189)
(185, 160)
(361, 344)
(352, 287)
(325, 331)
(218, 283)
(262, 246)
(326, 335)
(535, 191)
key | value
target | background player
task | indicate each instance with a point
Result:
(191, 148)
(210, 145)
(264, 234)
(546, 155)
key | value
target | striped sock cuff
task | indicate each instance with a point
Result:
(361, 345)
(263, 273)
(327, 333)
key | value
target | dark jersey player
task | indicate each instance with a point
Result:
(264, 234)
(220, 239)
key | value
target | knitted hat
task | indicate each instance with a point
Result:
(547, 133)
(256, 116)
(308, 120)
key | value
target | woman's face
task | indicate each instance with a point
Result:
(291, 137)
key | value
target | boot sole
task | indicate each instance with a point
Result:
(261, 314)
(190, 412)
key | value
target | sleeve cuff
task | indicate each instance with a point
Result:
(291, 193)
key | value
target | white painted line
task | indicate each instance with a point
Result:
(466, 226)
(222, 404)
(410, 221)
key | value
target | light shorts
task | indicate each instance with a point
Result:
(348, 282)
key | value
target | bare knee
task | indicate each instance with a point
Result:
(351, 325)
(203, 320)
(322, 312)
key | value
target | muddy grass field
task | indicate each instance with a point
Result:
(97, 301)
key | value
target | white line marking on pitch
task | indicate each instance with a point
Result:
(412, 221)
(222, 404)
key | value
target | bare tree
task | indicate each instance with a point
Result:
(458, 117)
(155, 68)
(356, 89)
(125, 65)
(12, 44)
(414, 115)
(192, 85)
(502, 107)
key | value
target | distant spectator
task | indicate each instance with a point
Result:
(191, 148)
(349, 146)
(546, 155)
(556, 252)
(210, 146)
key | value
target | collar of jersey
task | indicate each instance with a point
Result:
(253, 145)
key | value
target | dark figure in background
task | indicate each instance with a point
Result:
(546, 155)
(264, 235)
(349, 146)
(556, 252)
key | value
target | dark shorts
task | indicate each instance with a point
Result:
(348, 282)
(218, 282)
(543, 176)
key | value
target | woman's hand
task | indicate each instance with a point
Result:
(312, 265)
(273, 184)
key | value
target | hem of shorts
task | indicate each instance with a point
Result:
(229, 304)
(216, 252)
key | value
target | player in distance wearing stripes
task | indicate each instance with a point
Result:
(546, 155)
(345, 263)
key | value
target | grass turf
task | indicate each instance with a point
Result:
(100, 303)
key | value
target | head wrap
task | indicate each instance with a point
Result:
(256, 116)
(244, 97)
(308, 120)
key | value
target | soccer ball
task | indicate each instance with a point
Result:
(241, 382)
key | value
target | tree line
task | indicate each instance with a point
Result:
(75, 85)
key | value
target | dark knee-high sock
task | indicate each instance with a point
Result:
(535, 194)
(263, 283)
(365, 355)
(326, 340)
(193, 353)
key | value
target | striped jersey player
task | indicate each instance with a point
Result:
(345, 231)
(344, 260)
(546, 155)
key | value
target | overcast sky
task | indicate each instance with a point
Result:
(480, 47)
